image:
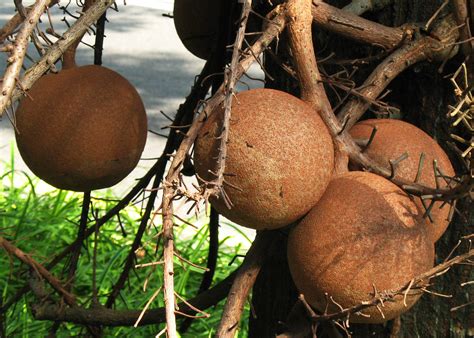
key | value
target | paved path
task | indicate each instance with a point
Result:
(142, 45)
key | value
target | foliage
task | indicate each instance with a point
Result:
(43, 224)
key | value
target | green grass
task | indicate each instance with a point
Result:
(44, 224)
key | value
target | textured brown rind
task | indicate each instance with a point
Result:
(197, 25)
(364, 232)
(81, 129)
(279, 153)
(393, 138)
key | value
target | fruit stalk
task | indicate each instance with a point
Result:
(69, 56)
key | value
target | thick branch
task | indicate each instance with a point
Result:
(108, 317)
(57, 49)
(311, 84)
(18, 53)
(381, 77)
(299, 30)
(354, 27)
(243, 282)
(168, 255)
(16, 20)
(424, 47)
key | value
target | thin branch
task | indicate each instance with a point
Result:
(148, 303)
(230, 79)
(76, 252)
(461, 13)
(383, 74)
(99, 39)
(461, 306)
(130, 260)
(41, 270)
(95, 298)
(11, 25)
(213, 251)
(211, 261)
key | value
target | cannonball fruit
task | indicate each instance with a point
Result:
(81, 129)
(392, 139)
(279, 156)
(364, 234)
(197, 25)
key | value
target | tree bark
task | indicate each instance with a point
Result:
(430, 93)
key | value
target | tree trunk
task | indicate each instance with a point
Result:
(426, 106)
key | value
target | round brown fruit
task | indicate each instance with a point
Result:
(392, 139)
(81, 129)
(279, 155)
(197, 25)
(364, 234)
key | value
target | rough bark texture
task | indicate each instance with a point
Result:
(269, 310)
(425, 106)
